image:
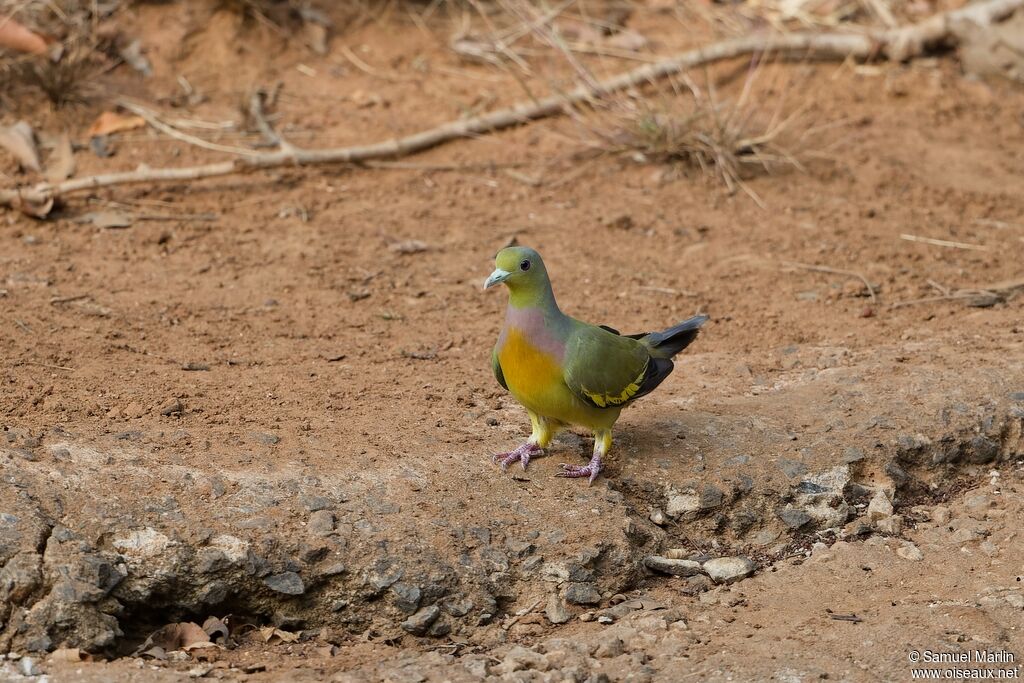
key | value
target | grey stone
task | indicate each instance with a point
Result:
(792, 468)
(521, 659)
(288, 583)
(407, 597)
(711, 497)
(794, 518)
(909, 551)
(695, 585)
(316, 503)
(481, 536)
(556, 611)
(880, 506)
(28, 667)
(458, 606)
(684, 505)
(440, 628)
(664, 565)
(983, 450)
(610, 647)
(519, 548)
(728, 569)
(852, 455)
(494, 559)
(321, 523)
(384, 574)
(613, 614)
(582, 594)
(832, 480)
(419, 622)
(892, 525)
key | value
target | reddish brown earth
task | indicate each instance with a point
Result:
(326, 362)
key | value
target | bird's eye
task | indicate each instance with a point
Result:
(525, 265)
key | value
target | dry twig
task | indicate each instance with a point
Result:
(943, 243)
(894, 44)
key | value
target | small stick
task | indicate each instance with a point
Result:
(997, 224)
(667, 290)
(181, 217)
(270, 136)
(68, 299)
(47, 365)
(413, 166)
(943, 243)
(151, 119)
(835, 271)
(23, 326)
(957, 295)
(519, 615)
(942, 290)
(846, 617)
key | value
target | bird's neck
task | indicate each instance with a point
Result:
(533, 296)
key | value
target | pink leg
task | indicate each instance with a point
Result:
(522, 454)
(590, 470)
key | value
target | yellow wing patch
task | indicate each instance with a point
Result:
(603, 400)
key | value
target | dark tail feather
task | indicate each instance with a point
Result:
(673, 340)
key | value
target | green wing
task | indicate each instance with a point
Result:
(496, 367)
(605, 369)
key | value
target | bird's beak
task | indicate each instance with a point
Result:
(496, 278)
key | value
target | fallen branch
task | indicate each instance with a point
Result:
(895, 44)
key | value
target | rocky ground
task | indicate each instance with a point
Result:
(282, 418)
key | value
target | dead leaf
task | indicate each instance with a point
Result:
(69, 654)
(271, 635)
(155, 653)
(19, 141)
(409, 247)
(110, 122)
(182, 635)
(61, 164)
(214, 627)
(15, 36)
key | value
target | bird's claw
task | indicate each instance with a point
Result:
(579, 471)
(522, 454)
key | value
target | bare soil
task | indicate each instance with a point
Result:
(319, 367)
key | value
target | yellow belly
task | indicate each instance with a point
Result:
(535, 379)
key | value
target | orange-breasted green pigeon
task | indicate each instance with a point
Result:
(566, 372)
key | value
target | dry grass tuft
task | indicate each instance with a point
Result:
(725, 140)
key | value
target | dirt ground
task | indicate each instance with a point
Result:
(321, 367)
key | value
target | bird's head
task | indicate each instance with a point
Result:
(522, 271)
